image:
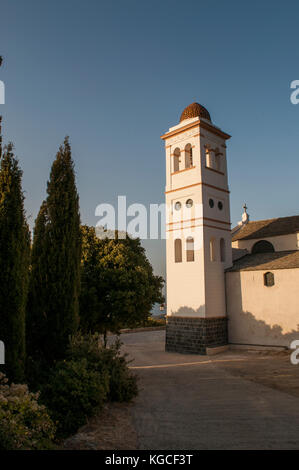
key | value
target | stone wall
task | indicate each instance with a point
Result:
(189, 335)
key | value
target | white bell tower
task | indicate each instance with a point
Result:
(198, 246)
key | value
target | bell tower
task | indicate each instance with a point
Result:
(198, 234)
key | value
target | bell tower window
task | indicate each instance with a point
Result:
(176, 160)
(222, 250)
(218, 160)
(188, 156)
(178, 250)
(209, 158)
(212, 249)
(190, 249)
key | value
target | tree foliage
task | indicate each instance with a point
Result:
(38, 299)
(14, 262)
(53, 305)
(118, 287)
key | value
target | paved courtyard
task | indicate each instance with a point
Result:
(234, 400)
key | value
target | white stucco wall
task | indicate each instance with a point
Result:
(280, 242)
(185, 280)
(214, 272)
(260, 315)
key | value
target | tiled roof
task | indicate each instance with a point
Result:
(267, 261)
(267, 228)
(195, 110)
(238, 253)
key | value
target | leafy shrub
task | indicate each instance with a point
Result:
(87, 346)
(75, 392)
(24, 423)
(90, 375)
(152, 321)
(122, 383)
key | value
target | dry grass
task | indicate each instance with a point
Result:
(111, 430)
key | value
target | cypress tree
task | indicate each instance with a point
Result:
(53, 309)
(36, 329)
(14, 265)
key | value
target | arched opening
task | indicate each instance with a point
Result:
(178, 250)
(188, 156)
(217, 160)
(269, 279)
(190, 249)
(222, 249)
(176, 160)
(263, 246)
(212, 249)
(209, 159)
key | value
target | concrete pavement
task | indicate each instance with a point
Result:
(190, 402)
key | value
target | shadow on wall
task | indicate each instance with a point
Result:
(189, 312)
(244, 328)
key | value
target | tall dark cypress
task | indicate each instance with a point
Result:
(14, 265)
(36, 321)
(53, 310)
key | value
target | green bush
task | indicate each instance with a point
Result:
(87, 346)
(152, 321)
(90, 375)
(122, 383)
(75, 392)
(24, 423)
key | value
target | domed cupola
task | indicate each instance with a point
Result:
(195, 110)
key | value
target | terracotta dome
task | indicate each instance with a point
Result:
(195, 110)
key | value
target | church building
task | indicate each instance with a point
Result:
(224, 286)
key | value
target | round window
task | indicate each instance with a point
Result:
(220, 205)
(177, 206)
(211, 203)
(189, 203)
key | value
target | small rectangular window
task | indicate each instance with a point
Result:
(269, 279)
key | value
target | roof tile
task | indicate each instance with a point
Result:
(267, 228)
(267, 261)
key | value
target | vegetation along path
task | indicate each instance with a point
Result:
(230, 401)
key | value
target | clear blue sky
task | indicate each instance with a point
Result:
(114, 75)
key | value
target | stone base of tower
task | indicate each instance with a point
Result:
(189, 335)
